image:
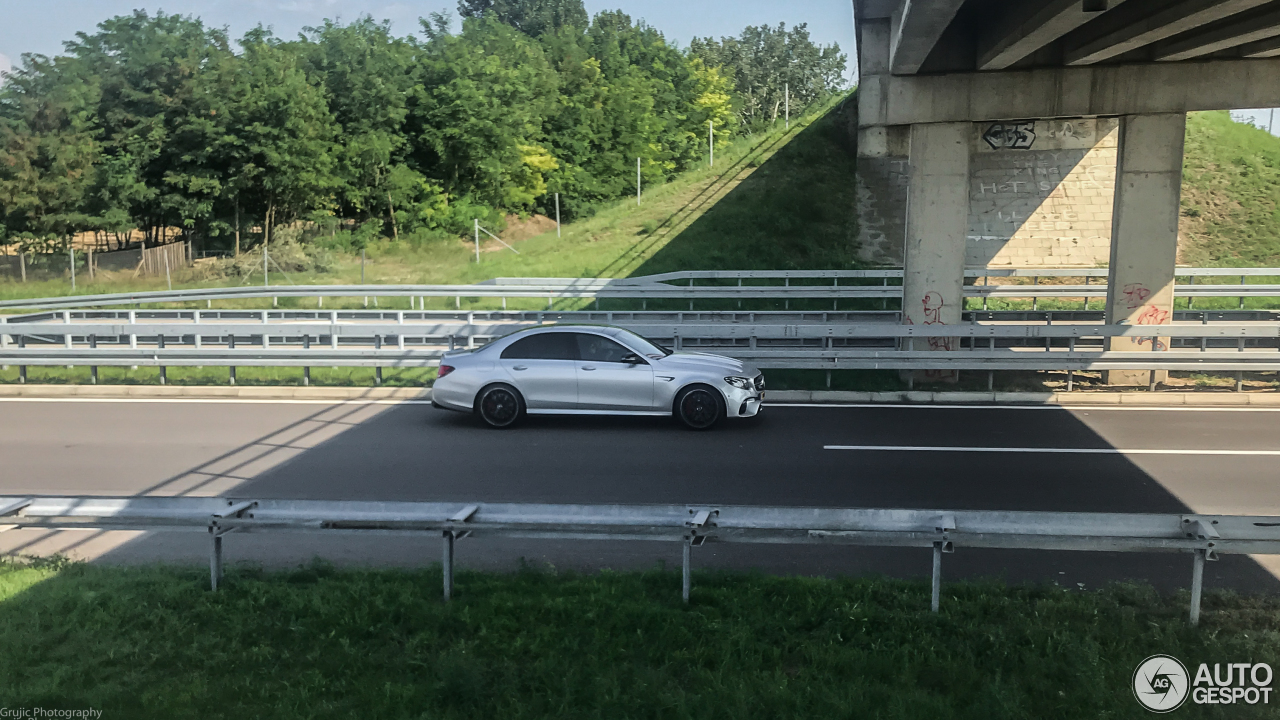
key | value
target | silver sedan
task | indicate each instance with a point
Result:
(588, 369)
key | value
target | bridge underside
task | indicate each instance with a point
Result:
(1043, 132)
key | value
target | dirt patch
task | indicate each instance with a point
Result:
(519, 229)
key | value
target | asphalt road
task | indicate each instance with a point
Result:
(1220, 461)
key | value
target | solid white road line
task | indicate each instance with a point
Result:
(1071, 408)
(1046, 451)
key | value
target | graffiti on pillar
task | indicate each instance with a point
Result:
(1011, 136)
(1152, 315)
(1135, 294)
(933, 304)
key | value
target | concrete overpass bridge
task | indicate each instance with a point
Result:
(1043, 132)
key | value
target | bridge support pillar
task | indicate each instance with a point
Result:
(1144, 233)
(936, 229)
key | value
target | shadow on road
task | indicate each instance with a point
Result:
(414, 452)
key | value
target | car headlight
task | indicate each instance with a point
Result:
(739, 382)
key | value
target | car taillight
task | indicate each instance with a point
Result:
(445, 370)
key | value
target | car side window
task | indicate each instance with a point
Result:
(595, 348)
(543, 346)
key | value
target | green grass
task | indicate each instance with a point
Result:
(1230, 194)
(152, 642)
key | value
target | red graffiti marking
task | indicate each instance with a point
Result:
(1152, 316)
(1135, 294)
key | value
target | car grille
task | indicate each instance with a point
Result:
(760, 383)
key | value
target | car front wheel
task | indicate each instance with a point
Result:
(699, 407)
(499, 406)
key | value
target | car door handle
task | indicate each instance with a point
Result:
(520, 367)
(588, 367)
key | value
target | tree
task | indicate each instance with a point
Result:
(765, 61)
(531, 17)
(48, 147)
(147, 70)
(367, 77)
(278, 146)
(477, 113)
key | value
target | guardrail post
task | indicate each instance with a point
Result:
(446, 565)
(164, 375)
(231, 345)
(306, 370)
(1240, 373)
(377, 370)
(215, 558)
(1197, 585)
(93, 369)
(936, 600)
(686, 580)
(22, 369)
(1071, 374)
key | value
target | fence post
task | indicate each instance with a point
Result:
(71, 252)
(557, 214)
(22, 265)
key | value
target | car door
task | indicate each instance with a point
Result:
(606, 381)
(543, 368)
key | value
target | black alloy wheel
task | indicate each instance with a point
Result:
(499, 406)
(700, 407)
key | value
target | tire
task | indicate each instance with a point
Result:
(699, 407)
(499, 406)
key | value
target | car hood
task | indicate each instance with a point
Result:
(706, 361)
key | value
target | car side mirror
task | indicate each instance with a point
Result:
(633, 359)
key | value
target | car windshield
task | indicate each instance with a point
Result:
(644, 345)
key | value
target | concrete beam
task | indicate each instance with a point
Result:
(874, 9)
(1244, 28)
(1080, 92)
(1139, 23)
(1031, 26)
(1268, 48)
(917, 25)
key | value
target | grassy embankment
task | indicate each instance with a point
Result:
(316, 642)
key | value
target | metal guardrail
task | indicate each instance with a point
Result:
(280, 342)
(657, 287)
(944, 531)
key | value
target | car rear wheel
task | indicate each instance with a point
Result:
(699, 407)
(499, 406)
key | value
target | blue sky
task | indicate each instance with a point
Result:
(41, 27)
